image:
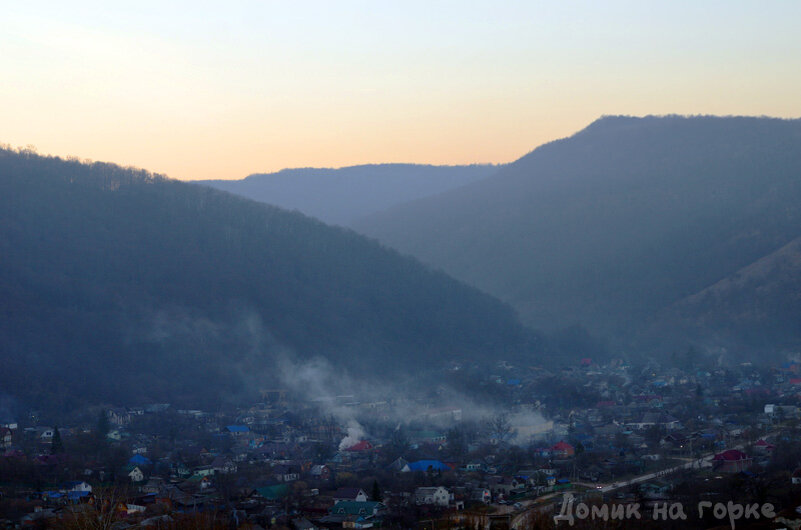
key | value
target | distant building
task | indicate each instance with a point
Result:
(136, 475)
(731, 461)
(349, 494)
(562, 450)
(437, 496)
(425, 465)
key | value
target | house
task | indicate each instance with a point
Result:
(562, 450)
(154, 485)
(136, 475)
(481, 495)
(796, 478)
(472, 466)
(349, 495)
(285, 473)
(237, 430)
(203, 471)
(364, 509)
(763, 447)
(781, 411)
(360, 447)
(76, 486)
(273, 492)
(398, 464)
(321, 472)
(114, 435)
(502, 486)
(223, 465)
(119, 417)
(5, 437)
(731, 461)
(139, 460)
(46, 434)
(654, 419)
(437, 496)
(425, 465)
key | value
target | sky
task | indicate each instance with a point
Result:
(201, 90)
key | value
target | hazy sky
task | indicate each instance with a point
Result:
(224, 89)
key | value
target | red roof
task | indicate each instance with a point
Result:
(732, 455)
(364, 445)
(562, 446)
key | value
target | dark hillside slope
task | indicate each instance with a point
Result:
(611, 226)
(756, 309)
(119, 285)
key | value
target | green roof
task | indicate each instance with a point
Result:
(273, 492)
(356, 508)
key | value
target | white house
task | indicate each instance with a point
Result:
(46, 434)
(5, 437)
(114, 435)
(438, 496)
(77, 486)
(136, 475)
(350, 494)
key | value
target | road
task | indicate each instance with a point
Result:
(697, 463)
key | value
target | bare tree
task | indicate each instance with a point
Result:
(499, 427)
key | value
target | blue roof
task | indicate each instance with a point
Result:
(139, 460)
(238, 428)
(74, 495)
(423, 465)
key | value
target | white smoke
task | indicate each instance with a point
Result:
(355, 435)
(317, 380)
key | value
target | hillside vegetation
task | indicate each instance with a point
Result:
(120, 285)
(612, 227)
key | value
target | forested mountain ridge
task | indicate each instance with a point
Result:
(756, 309)
(612, 226)
(120, 285)
(342, 196)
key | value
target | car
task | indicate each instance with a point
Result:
(518, 506)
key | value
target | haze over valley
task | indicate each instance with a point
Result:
(313, 265)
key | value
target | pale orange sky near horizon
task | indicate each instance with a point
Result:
(199, 91)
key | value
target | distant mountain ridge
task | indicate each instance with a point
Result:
(117, 285)
(614, 225)
(342, 196)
